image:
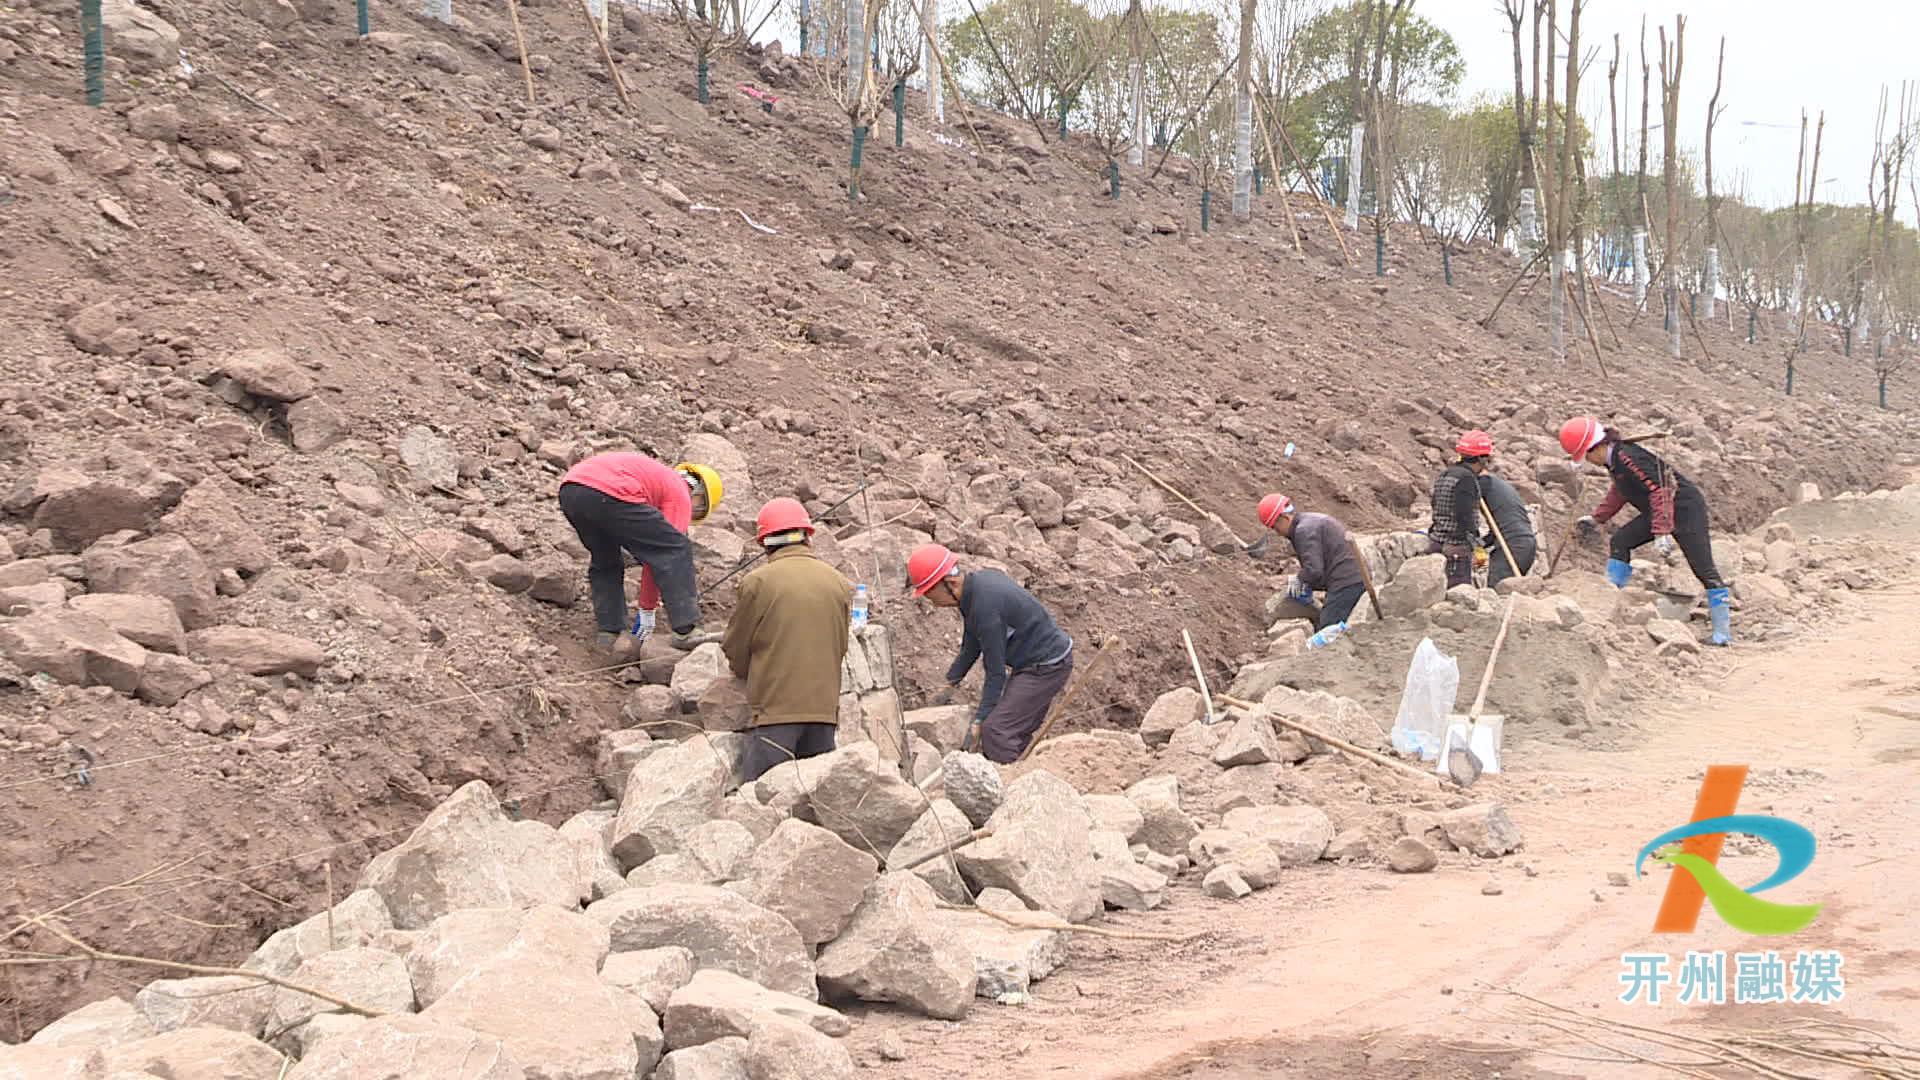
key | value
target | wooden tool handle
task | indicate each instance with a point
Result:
(1486, 677)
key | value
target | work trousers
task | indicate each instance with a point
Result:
(1007, 730)
(607, 527)
(1689, 531)
(771, 744)
(1497, 568)
(1459, 561)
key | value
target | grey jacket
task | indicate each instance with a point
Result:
(1006, 629)
(1508, 512)
(1326, 559)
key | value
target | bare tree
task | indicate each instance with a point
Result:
(1800, 303)
(1711, 287)
(1639, 208)
(899, 42)
(857, 90)
(1672, 59)
(1890, 159)
(1243, 116)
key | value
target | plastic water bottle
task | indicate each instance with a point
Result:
(859, 606)
(1325, 637)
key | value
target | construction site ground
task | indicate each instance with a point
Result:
(1385, 975)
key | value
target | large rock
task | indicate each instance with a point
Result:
(210, 516)
(1165, 827)
(588, 832)
(102, 1024)
(431, 460)
(372, 978)
(353, 923)
(894, 952)
(945, 726)
(257, 652)
(1251, 859)
(942, 826)
(1250, 741)
(1039, 849)
(148, 43)
(1115, 813)
(853, 793)
(406, 1047)
(167, 678)
(80, 507)
(1169, 713)
(166, 566)
(233, 1002)
(147, 621)
(1127, 885)
(1006, 959)
(721, 1059)
(269, 374)
(617, 754)
(54, 1063)
(1484, 829)
(698, 671)
(718, 1004)
(721, 847)
(552, 961)
(467, 854)
(783, 1049)
(722, 929)
(1342, 718)
(654, 974)
(973, 784)
(317, 424)
(810, 877)
(678, 791)
(1410, 856)
(1298, 834)
(1107, 762)
(1420, 583)
(73, 647)
(199, 1053)
(456, 944)
(723, 705)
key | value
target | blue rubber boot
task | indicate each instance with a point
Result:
(1720, 610)
(1618, 572)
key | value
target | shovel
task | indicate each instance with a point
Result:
(1463, 763)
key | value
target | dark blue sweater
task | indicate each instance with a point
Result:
(1006, 629)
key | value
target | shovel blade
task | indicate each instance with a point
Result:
(1463, 766)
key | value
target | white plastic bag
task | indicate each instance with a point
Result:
(1432, 681)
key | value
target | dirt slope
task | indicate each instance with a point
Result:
(531, 283)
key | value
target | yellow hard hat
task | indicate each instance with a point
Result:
(708, 482)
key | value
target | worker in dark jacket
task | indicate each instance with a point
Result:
(1327, 563)
(1509, 516)
(1671, 509)
(629, 504)
(1456, 507)
(1025, 659)
(787, 638)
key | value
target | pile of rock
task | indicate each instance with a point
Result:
(693, 926)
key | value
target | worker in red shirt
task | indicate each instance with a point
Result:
(628, 502)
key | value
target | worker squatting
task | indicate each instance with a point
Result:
(788, 634)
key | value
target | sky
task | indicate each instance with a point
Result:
(1781, 58)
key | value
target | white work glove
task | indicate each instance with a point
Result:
(1297, 589)
(1586, 524)
(1663, 544)
(642, 628)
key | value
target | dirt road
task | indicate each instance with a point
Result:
(1345, 972)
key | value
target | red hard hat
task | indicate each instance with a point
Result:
(781, 515)
(1581, 434)
(1475, 443)
(929, 565)
(1272, 507)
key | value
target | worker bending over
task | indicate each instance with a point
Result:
(787, 638)
(1024, 657)
(1327, 562)
(1671, 508)
(628, 502)
(1508, 518)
